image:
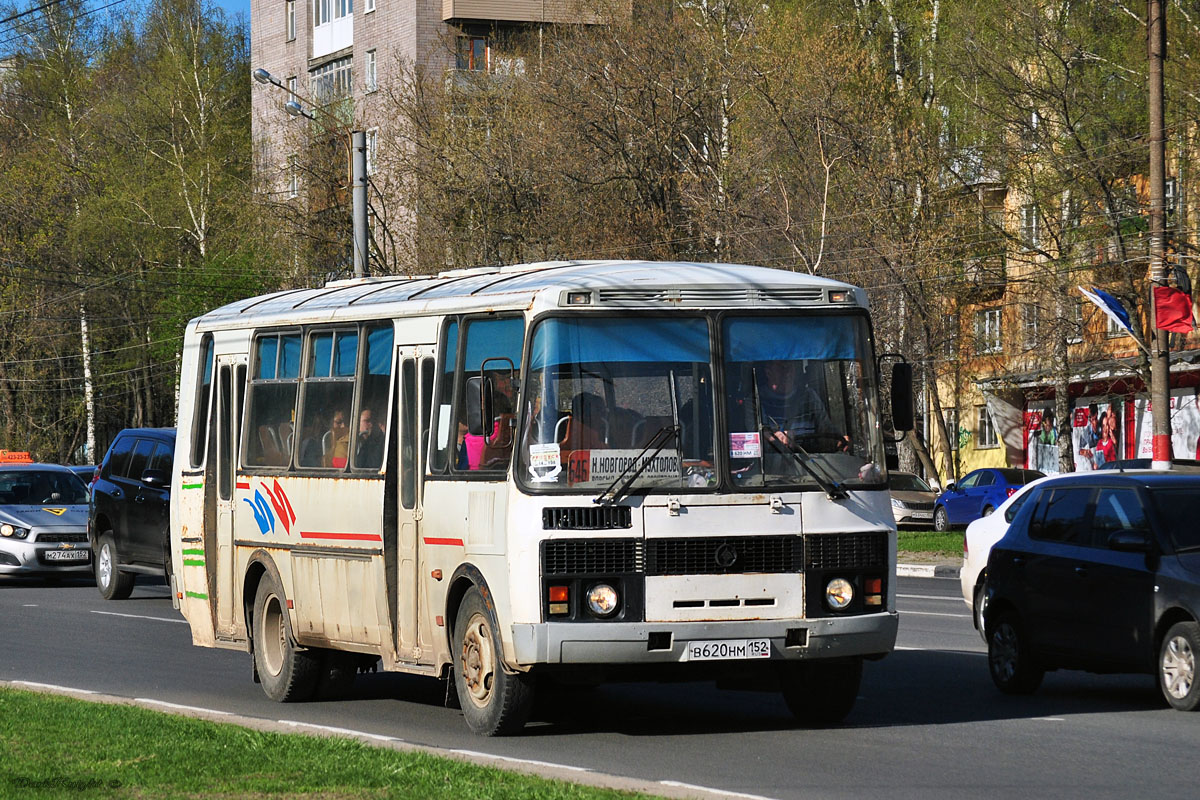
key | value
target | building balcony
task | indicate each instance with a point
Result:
(584, 12)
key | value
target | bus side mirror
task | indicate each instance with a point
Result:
(902, 396)
(474, 400)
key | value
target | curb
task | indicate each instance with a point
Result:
(928, 571)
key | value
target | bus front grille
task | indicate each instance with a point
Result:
(724, 555)
(592, 557)
(587, 518)
(845, 550)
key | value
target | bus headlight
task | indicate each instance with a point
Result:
(602, 600)
(838, 593)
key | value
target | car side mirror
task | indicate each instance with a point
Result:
(474, 401)
(951, 487)
(156, 478)
(1129, 542)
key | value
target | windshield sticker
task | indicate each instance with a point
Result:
(545, 462)
(745, 445)
(602, 467)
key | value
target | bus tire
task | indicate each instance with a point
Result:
(288, 673)
(494, 702)
(110, 580)
(821, 693)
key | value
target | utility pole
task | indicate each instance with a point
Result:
(358, 154)
(1160, 365)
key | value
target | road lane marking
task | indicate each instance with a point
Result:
(941, 650)
(933, 614)
(344, 731)
(56, 687)
(493, 756)
(930, 597)
(710, 790)
(1049, 719)
(198, 709)
(139, 616)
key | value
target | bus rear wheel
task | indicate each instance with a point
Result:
(494, 702)
(820, 693)
(287, 672)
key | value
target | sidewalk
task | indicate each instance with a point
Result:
(914, 565)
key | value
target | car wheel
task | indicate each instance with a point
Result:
(821, 692)
(941, 520)
(979, 606)
(987, 510)
(1013, 668)
(112, 583)
(1177, 666)
(287, 672)
(494, 702)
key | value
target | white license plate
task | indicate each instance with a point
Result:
(922, 515)
(726, 649)
(66, 555)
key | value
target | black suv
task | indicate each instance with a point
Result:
(1100, 572)
(128, 515)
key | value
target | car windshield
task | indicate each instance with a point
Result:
(1177, 512)
(904, 482)
(38, 486)
(614, 395)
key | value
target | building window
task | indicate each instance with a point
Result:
(333, 80)
(1114, 328)
(326, 11)
(1030, 319)
(368, 6)
(293, 172)
(1030, 233)
(985, 431)
(987, 331)
(372, 75)
(473, 52)
(290, 17)
(951, 415)
(1075, 322)
(1170, 202)
(950, 334)
(291, 88)
(372, 150)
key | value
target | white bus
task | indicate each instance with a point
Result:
(567, 471)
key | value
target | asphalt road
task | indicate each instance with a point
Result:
(928, 723)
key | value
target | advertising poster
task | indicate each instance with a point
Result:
(1041, 439)
(1185, 425)
(1095, 432)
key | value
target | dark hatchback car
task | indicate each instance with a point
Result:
(128, 514)
(1099, 572)
(978, 494)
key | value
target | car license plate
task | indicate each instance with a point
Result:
(725, 649)
(66, 555)
(922, 515)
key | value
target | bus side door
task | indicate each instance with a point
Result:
(415, 379)
(231, 383)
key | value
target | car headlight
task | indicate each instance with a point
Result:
(897, 503)
(13, 531)
(838, 593)
(602, 600)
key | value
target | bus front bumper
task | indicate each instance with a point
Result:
(667, 642)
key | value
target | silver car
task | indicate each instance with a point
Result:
(912, 499)
(43, 521)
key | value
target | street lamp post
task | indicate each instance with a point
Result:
(358, 170)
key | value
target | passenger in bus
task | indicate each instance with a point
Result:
(336, 442)
(368, 446)
(589, 428)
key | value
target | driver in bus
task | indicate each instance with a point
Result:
(791, 408)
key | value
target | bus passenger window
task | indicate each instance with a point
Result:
(441, 420)
(370, 433)
(272, 400)
(493, 357)
(327, 397)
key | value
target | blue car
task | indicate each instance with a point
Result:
(978, 494)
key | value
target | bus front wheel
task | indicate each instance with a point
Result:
(821, 692)
(494, 702)
(287, 672)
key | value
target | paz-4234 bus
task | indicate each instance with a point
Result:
(566, 471)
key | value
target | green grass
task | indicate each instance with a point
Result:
(947, 545)
(56, 747)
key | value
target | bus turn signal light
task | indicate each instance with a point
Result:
(559, 596)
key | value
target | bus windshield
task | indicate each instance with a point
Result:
(613, 397)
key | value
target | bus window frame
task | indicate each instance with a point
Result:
(248, 398)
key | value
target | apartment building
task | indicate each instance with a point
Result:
(339, 54)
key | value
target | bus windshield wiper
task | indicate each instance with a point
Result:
(802, 457)
(637, 466)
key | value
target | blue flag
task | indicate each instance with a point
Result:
(1110, 306)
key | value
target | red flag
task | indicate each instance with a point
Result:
(1172, 309)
